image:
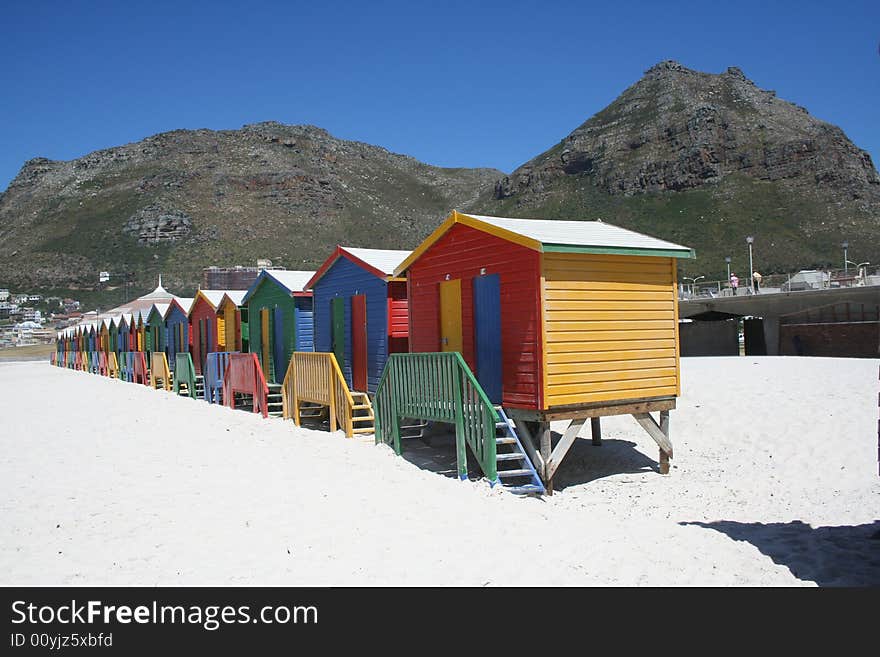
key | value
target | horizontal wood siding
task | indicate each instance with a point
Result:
(305, 324)
(344, 279)
(398, 310)
(461, 253)
(611, 328)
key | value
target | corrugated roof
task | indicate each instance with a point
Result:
(290, 279)
(236, 296)
(385, 260)
(293, 280)
(214, 296)
(580, 233)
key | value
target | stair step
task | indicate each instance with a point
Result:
(505, 440)
(364, 430)
(363, 418)
(516, 456)
(521, 472)
(361, 407)
(525, 488)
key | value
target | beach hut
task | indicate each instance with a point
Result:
(177, 333)
(360, 312)
(279, 318)
(208, 325)
(155, 327)
(558, 320)
(233, 315)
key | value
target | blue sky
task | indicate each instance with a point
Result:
(451, 83)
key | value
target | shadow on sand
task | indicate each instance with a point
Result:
(829, 556)
(583, 463)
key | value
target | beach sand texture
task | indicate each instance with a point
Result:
(774, 483)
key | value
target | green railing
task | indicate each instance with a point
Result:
(184, 372)
(439, 387)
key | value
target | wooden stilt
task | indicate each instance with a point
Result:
(596, 430)
(660, 434)
(544, 430)
(664, 427)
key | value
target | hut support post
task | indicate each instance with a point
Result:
(524, 430)
(562, 447)
(544, 431)
(660, 433)
(596, 430)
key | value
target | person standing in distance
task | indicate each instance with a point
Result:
(756, 277)
(734, 282)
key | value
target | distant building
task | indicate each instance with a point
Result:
(35, 298)
(229, 278)
(31, 315)
(70, 305)
(4, 294)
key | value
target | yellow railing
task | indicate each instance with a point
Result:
(315, 378)
(159, 370)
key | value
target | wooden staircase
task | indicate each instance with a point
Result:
(314, 386)
(515, 470)
(440, 387)
(362, 417)
(274, 400)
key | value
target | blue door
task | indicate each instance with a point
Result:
(278, 344)
(487, 334)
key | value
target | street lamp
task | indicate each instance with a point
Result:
(727, 260)
(749, 240)
(845, 246)
(693, 281)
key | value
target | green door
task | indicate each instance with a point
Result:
(337, 312)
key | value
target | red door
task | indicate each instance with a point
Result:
(359, 343)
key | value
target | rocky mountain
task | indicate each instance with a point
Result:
(698, 158)
(705, 160)
(183, 200)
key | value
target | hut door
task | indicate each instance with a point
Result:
(278, 345)
(359, 343)
(264, 341)
(337, 319)
(450, 315)
(487, 334)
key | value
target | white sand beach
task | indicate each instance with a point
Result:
(774, 483)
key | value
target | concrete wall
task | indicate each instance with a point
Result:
(841, 339)
(709, 338)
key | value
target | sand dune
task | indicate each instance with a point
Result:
(774, 482)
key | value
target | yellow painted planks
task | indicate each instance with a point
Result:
(617, 324)
(612, 365)
(608, 395)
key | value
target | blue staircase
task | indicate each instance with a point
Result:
(515, 470)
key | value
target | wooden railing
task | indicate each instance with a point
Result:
(139, 372)
(159, 370)
(315, 377)
(184, 372)
(244, 375)
(439, 387)
(215, 369)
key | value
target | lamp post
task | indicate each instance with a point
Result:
(845, 246)
(727, 260)
(749, 240)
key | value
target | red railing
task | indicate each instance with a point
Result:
(139, 368)
(244, 375)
